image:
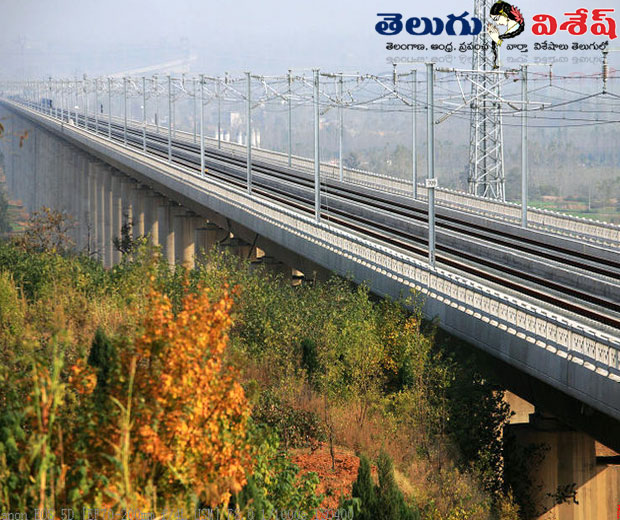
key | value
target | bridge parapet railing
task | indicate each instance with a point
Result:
(546, 220)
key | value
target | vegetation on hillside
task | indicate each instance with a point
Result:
(146, 388)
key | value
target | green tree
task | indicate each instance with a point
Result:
(352, 160)
(390, 501)
(364, 490)
(48, 230)
(103, 358)
(370, 501)
(477, 415)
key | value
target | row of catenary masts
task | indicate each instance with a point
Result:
(336, 92)
(338, 89)
(228, 93)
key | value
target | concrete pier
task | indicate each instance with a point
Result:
(207, 236)
(237, 247)
(152, 201)
(117, 215)
(184, 239)
(166, 214)
(127, 187)
(101, 212)
(92, 208)
(138, 203)
(276, 267)
(577, 479)
(108, 205)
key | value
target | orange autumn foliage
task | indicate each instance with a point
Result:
(82, 378)
(182, 425)
(194, 414)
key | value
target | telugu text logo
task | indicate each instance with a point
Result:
(392, 24)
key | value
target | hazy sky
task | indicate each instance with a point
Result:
(68, 37)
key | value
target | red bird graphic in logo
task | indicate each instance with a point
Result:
(506, 15)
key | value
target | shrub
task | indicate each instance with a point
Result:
(296, 428)
(48, 230)
(364, 490)
(370, 501)
(309, 358)
(390, 501)
(275, 483)
(12, 311)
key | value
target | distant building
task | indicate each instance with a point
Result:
(235, 120)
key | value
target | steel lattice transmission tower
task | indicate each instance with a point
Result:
(486, 156)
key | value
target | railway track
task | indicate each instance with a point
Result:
(402, 223)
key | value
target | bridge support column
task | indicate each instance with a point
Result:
(36, 161)
(46, 181)
(58, 176)
(166, 214)
(76, 201)
(138, 204)
(578, 478)
(90, 208)
(64, 181)
(184, 224)
(108, 205)
(102, 238)
(95, 200)
(237, 247)
(76, 198)
(26, 173)
(50, 181)
(55, 174)
(82, 204)
(297, 277)
(127, 186)
(152, 201)
(206, 238)
(251, 253)
(67, 180)
(15, 169)
(42, 191)
(277, 267)
(117, 215)
(245, 251)
(10, 159)
(29, 174)
(83, 166)
(36, 168)
(33, 184)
